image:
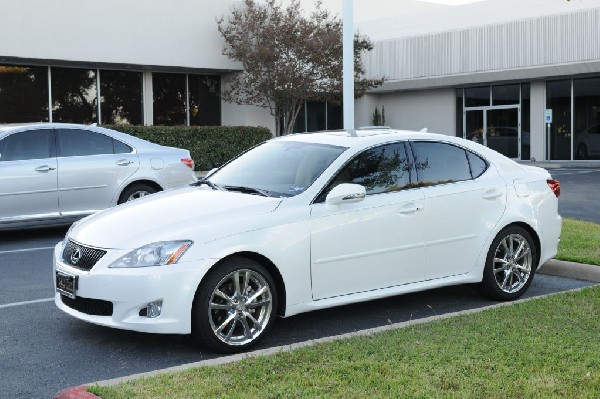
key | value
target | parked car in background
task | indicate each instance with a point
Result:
(52, 174)
(587, 142)
(306, 222)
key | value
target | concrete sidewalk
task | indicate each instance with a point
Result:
(553, 267)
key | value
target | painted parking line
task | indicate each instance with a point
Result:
(10, 305)
(13, 251)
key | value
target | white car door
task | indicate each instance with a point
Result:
(91, 168)
(28, 176)
(376, 243)
(464, 200)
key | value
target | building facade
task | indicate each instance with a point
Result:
(491, 71)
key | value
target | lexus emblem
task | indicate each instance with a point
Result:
(75, 256)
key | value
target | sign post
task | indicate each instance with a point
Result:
(548, 120)
(348, 65)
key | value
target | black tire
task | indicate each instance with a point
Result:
(508, 270)
(135, 191)
(234, 322)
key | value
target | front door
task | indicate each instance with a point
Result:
(373, 244)
(497, 128)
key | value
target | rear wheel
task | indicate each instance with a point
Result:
(234, 306)
(510, 264)
(136, 191)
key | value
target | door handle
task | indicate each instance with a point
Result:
(491, 194)
(124, 162)
(410, 208)
(44, 168)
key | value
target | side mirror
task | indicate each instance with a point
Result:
(346, 193)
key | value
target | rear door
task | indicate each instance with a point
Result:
(28, 175)
(91, 169)
(464, 199)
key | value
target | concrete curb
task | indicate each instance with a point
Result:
(578, 271)
(553, 267)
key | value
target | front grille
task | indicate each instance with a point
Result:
(81, 257)
(93, 307)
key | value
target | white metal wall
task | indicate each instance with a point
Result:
(548, 40)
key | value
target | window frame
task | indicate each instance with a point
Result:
(112, 140)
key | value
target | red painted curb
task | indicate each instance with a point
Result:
(75, 393)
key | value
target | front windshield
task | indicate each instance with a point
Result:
(279, 168)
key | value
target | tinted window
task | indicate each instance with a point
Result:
(75, 142)
(74, 95)
(439, 163)
(23, 94)
(121, 148)
(34, 144)
(379, 170)
(478, 165)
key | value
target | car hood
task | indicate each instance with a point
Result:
(192, 213)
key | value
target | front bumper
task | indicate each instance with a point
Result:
(130, 291)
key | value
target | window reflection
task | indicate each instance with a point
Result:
(558, 98)
(587, 118)
(121, 97)
(205, 105)
(74, 95)
(169, 99)
(23, 94)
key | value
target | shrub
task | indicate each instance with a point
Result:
(210, 146)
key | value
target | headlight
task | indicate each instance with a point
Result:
(156, 254)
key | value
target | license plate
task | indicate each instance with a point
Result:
(66, 284)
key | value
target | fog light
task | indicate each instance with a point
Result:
(153, 309)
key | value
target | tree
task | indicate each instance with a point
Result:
(288, 58)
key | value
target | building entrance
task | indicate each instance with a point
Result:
(497, 128)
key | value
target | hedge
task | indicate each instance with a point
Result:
(210, 146)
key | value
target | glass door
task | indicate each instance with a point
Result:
(474, 126)
(502, 131)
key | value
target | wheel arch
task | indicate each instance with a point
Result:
(266, 263)
(536, 239)
(151, 183)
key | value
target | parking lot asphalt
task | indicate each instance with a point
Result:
(580, 193)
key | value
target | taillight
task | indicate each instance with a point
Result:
(189, 162)
(554, 186)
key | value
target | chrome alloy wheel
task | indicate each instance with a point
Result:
(240, 307)
(137, 194)
(512, 263)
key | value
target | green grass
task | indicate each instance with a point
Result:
(543, 348)
(579, 242)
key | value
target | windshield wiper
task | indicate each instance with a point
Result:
(247, 190)
(208, 183)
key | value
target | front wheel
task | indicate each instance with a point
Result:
(510, 264)
(234, 306)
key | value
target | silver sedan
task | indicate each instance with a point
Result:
(52, 174)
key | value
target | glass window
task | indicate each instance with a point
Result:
(33, 144)
(380, 170)
(440, 163)
(74, 142)
(558, 98)
(169, 99)
(74, 95)
(477, 96)
(23, 94)
(587, 118)
(282, 168)
(205, 105)
(300, 123)
(505, 94)
(315, 116)
(477, 164)
(121, 148)
(335, 116)
(121, 97)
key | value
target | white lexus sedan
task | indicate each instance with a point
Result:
(308, 222)
(52, 173)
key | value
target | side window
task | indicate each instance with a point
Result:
(380, 170)
(121, 148)
(74, 142)
(33, 144)
(440, 163)
(478, 165)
